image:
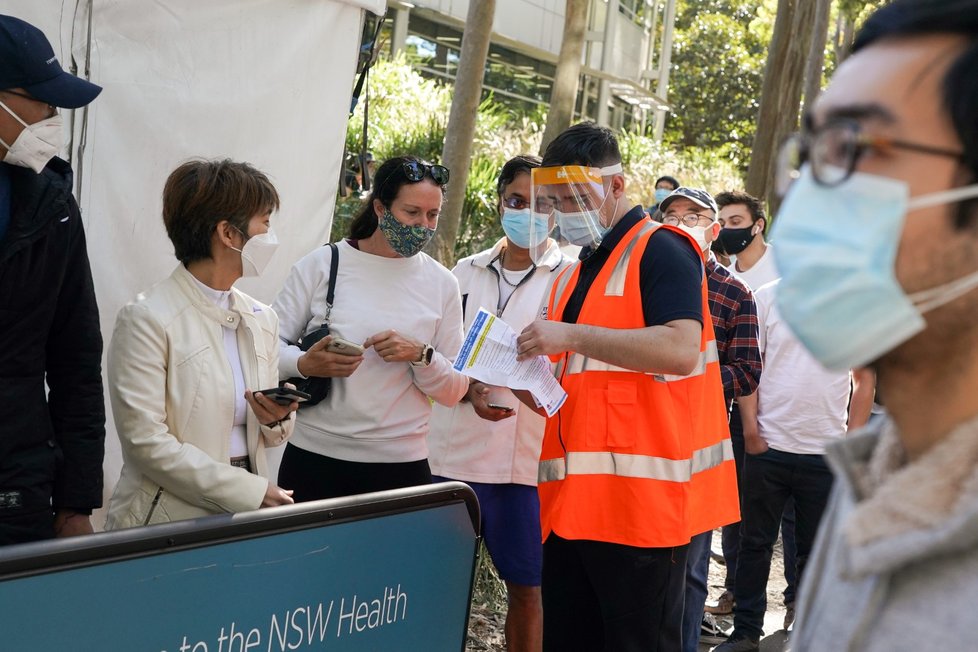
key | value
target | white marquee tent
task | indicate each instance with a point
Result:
(264, 81)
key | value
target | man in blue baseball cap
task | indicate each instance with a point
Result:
(51, 442)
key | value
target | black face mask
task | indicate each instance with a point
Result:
(731, 242)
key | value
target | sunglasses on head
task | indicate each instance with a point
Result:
(415, 171)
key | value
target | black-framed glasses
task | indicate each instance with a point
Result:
(415, 171)
(690, 219)
(833, 150)
(516, 203)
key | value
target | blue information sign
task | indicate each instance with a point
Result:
(395, 574)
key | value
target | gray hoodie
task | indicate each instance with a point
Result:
(895, 564)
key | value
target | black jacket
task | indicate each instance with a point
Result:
(51, 447)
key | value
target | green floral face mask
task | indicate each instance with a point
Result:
(405, 240)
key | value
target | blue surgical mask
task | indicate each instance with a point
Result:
(584, 228)
(660, 194)
(836, 250)
(516, 225)
(579, 228)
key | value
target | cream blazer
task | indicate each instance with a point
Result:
(172, 393)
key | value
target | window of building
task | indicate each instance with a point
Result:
(639, 12)
(513, 78)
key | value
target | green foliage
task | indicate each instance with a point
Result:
(645, 161)
(718, 68)
(408, 114)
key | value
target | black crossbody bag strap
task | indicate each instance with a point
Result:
(334, 263)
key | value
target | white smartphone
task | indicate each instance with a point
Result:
(344, 347)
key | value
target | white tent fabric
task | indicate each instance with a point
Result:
(264, 81)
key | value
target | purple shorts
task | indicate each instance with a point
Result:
(511, 529)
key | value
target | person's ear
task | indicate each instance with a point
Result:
(759, 226)
(379, 209)
(618, 185)
(226, 234)
(712, 232)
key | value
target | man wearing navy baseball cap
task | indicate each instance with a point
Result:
(51, 442)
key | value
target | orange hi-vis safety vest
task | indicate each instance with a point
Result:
(640, 459)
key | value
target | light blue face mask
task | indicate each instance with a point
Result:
(516, 225)
(660, 194)
(836, 250)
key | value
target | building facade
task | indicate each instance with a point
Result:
(625, 64)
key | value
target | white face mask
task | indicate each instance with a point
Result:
(37, 143)
(257, 253)
(699, 234)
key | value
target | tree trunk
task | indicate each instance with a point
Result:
(784, 75)
(564, 93)
(816, 58)
(457, 152)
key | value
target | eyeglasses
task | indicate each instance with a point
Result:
(516, 203)
(690, 219)
(415, 171)
(834, 149)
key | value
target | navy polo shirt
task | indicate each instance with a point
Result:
(670, 274)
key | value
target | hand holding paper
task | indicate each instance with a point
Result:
(489, 353)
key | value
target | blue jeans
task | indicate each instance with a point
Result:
(769, 480)
(697, 571)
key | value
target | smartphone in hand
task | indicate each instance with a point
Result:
(284, 395)
(344, 347)
(496, 406)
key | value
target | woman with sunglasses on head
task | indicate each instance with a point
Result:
(404, 308)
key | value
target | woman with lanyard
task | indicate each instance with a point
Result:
(398, 316)
(489, 440)
(188, 356)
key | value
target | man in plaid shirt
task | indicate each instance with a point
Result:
(735, 325)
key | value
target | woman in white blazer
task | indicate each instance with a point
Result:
(188, 355)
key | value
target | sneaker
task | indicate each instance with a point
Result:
(789, 616)
(711, 631)
(739, 644)
(723, 606)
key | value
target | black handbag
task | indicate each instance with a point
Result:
(318, 387)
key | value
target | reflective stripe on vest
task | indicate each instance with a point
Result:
(564, 278)
(616, 282)
(577, 363)
(635, 466)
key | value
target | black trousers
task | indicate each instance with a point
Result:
(23, 525)
(313, 477)
(769, 480)
(607, 596)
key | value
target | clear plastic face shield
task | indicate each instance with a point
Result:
(575, 199)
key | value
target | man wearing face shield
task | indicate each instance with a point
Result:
(877, 245)
(638, 460)
(51, 443)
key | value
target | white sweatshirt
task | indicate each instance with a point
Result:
(381, 412)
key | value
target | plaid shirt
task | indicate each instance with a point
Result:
(735, 324)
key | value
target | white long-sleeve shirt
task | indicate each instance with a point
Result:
(381, 412)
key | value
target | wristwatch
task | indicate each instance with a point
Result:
(425, 358)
